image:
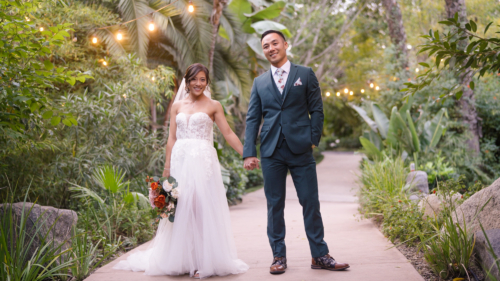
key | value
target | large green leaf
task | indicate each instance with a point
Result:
(254, 44)
(434, 129)
(365, 117)
(370, 149)
(265, 25)
(381, 120)
(405, 107)
(109, 178)
(240, 8)
(374, 138)
(398, 135)
(414, 135)
(268, 13)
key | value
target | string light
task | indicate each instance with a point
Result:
(362, 91)
(151, 25)
(27, 19)
(338, 94)
(377, 88)
(190, 7)
(153, 78)
(351, 93)
(371, 85)
(41, 29)
(346, 90)
(327, 94)
(104, 63)
(417, 70)
(119, 35)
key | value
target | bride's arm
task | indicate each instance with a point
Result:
(226, 131)
(171, 139)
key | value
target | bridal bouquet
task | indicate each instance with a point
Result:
(163, 195)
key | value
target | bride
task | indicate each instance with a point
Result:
(200, 241)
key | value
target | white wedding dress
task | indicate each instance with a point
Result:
(200, 239)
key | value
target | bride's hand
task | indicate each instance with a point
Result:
(166, 172)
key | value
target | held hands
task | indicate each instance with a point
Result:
(251, 163)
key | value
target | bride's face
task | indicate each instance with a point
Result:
(198, 84)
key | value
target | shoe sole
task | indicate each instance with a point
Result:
(277, 272)
(325, 268)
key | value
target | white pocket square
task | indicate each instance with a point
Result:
(298, 82)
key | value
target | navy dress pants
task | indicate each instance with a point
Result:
(303, 171)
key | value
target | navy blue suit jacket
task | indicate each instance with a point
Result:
(297, 113)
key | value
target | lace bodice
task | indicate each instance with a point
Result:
(194, 126)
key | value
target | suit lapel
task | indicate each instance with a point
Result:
(273, 89)
(290, 80)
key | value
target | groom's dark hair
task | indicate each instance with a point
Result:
(272, 31)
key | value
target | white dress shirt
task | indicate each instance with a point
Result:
(286, 70)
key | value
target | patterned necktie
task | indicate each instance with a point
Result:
(281, 82)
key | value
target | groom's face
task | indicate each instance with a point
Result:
(274, 47)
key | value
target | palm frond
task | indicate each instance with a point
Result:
(86, 193)
(141, 199)
(136, 30)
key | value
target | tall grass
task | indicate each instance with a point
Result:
(17, 261)
(381, 181)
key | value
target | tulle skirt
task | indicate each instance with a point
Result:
(200, 239)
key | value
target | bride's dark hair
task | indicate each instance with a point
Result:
(193, 70)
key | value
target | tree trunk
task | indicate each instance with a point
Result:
(153, 115)
(396, 31)
(467, 103)
(214, 19)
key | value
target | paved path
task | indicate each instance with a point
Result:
(357, 242)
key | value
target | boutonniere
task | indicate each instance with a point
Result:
(298, 82)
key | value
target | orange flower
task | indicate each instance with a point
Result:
(154, 185)
(147, 179)
(160, 202)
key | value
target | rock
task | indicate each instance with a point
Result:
(417, 181)
(43, 218)
(489, 217)
(486, 259)
(433, 204)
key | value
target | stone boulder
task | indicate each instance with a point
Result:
(433, 204)
(418, 182)
(489, 216)
(486, 259)
(57, 224)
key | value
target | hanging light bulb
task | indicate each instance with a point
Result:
(327, 94)
(362, 91)
(151, 26)
(371, 85)
(377, 88)
(27, 19)
(41, 29)
(119, 35)
(338, 94)
(153, 78)
(104, 63)
(190, 7)
(351, 93)
(346, 90)
(94, 40)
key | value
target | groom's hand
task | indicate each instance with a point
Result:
(251, 163)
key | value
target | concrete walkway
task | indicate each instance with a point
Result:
(358, 243)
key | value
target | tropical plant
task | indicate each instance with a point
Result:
(28, 72)
(400, 133)
(18, 261)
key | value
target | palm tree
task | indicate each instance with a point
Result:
(183, 38)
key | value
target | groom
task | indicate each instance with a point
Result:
(285, 97)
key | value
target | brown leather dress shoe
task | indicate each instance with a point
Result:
(328, 263)
(278, 266)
